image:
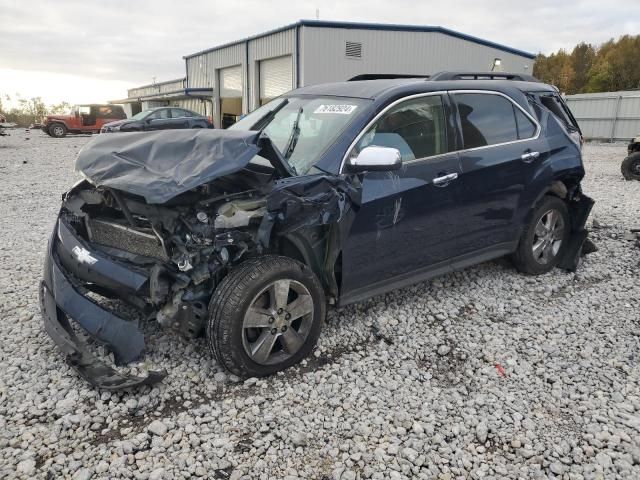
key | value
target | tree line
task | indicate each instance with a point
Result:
(26, 111)
(611, 66)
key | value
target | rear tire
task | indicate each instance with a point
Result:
(57, 130)
(265, 316)
(545, 238)
(631, 167)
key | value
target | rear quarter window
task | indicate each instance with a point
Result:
(110, 111)
(556, 105)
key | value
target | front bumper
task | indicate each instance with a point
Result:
(71, 265)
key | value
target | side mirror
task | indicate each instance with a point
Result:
(77, 113)
(375, 159)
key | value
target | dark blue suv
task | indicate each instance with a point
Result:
(325, 196)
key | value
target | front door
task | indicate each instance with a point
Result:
(158, 120)
(179, 118)
(407, 222)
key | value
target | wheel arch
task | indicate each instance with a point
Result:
(61, 122)
(298, 246)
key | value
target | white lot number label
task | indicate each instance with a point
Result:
(341, 109)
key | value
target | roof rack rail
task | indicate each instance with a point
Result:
(384, 76)
(523, 77)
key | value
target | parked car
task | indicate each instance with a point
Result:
(631, 165)
(160, 118)
(82, 119)
(325, 196)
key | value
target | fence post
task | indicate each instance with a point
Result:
(615, 119)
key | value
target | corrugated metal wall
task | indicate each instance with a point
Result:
(276, 45)
(203, 69)
(202, 72)
(324, 58)
(162, 87)
(607, 116)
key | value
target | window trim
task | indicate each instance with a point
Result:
(442, 93)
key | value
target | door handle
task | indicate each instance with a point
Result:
(529, 156)
(444, 180)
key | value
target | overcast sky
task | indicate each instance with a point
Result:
(83, 51)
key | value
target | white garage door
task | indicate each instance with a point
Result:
(230, 95)
(276, 77)
(231, 82)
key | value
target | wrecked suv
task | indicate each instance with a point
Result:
(325, 196)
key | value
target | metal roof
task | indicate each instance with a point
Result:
(371, 26)
(175, 94)
(181, 79)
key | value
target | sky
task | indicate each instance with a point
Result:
(92, 51)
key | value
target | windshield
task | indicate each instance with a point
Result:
(141, 115)
(302, 128)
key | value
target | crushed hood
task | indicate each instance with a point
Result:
(161, 165)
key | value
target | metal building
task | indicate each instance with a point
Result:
(247, 73)
(173, 93)
(607, 116)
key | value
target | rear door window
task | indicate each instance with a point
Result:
(178, 113)
(486, 119)
(526, 128)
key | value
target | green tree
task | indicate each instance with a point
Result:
(610, 66)
(583, 57)
(58, 108)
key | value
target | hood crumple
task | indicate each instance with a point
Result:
(163, 164)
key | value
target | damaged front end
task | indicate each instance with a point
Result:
(158, 224)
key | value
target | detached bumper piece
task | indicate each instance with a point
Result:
(578, 244)
(61, 302)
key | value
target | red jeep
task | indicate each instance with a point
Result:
(83, 119)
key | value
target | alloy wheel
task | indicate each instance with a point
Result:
(548, 236)
(277, 322)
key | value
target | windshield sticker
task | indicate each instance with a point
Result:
(341, 109)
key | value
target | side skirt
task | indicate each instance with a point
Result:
(427, 273)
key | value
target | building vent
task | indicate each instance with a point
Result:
(354, 50)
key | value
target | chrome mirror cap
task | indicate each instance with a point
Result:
(375, 159)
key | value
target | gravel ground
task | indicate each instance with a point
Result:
(480, 374)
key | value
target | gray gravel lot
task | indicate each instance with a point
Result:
(484, 373)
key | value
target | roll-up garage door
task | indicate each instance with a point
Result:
(276, 77)
(230, 95)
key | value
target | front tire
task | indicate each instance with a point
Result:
(544, 239)
(631, 167)
(57, 130)
(265, 316)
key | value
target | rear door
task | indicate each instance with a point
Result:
(179, 118)
(407, 222)
(501, 153)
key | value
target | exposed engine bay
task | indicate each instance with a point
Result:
(170, 233)
(186, 244)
